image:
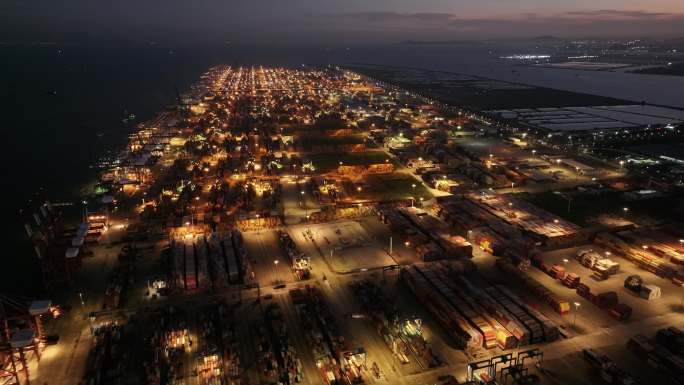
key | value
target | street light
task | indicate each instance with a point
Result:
(574, 317)
(85, 211)
(306, 212)
(275, 263)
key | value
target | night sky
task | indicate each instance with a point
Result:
(334, 21)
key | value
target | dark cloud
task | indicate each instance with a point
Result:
(441, 17)
(14, 7)
(608, 22)
(621, 14)
(327, 21)
(432, 17)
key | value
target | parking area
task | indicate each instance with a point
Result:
(590, 316)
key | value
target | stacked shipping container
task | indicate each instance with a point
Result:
(561, 306)
(477, 317)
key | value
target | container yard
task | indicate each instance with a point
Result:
(178, 348)
(609, 372)
(336, 360)
(316, 226)
(432, 238)
(560, 305)
(506, 226)
(202, 263)
(658, 257)
(403, 336)
(277, 357)
(664, 352)
(477, 317)
(549, 228)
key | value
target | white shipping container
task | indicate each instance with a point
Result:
(650, 292)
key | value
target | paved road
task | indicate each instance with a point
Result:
(295, 205)
(263, 249)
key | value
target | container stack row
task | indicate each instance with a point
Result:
(218, 270)
(384, 315)
(479, 317)
(548, 327)
(607, 301)
(300, 264)
(328, 346)
(168, 341)
(267, 363)
(286, 355)
(230, 259)
(660, 353)
(245, 271)
(104, 363)
(641, 256)
(486, 331)
(458, 327)
(403, 336)
(504, 338)
(441, 245)
(558, 304)
(202, 263)
(607, 369)
(230, 346)
(503, 313)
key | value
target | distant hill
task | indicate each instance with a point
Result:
(546, 37)
(436, 42)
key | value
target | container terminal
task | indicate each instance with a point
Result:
(325, 225)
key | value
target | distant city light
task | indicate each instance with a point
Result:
(526, 57)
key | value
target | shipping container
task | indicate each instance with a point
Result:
(650, 292)
(633, 283)
(621, 311)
